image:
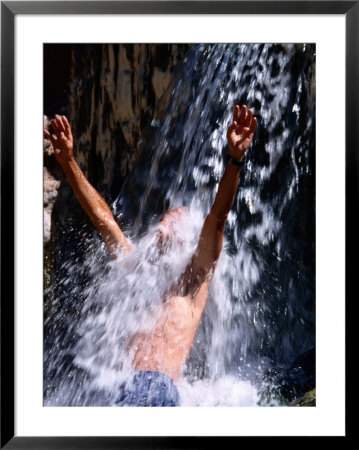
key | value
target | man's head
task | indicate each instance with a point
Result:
(167, 232)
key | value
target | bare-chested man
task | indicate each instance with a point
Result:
(159, 357)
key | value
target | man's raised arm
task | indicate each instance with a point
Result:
(90, 200)
(239, 136)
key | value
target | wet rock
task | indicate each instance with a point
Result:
(308, 399)
(289, 385)
(51, 192)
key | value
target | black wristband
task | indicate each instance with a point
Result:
(236, 162)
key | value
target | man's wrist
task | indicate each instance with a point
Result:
(69, 163)
(235, 161)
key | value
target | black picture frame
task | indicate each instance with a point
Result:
(9, 10)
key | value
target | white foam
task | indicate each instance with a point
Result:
(226, 391)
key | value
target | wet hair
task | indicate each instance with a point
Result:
(171, 217)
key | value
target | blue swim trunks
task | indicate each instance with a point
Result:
(149, 389)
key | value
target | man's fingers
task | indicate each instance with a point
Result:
(49, 136)
(253, 125)
(55, 127)
(232, 127)
(248, 120)
(243, 115)
(67, 126)
(236, 114)
(59, 123)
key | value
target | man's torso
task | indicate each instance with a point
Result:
(166, 349)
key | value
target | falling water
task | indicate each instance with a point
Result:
(260, 317)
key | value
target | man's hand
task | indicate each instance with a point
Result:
(241, 132)
(63, 142)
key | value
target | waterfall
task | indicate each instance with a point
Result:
(259, 323)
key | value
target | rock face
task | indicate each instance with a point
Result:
(114, 90)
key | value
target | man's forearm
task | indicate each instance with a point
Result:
(226, 193)
(202, 265)
(211, 238)
(90, 200)
(96, 208)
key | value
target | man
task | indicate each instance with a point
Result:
(158, 357)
